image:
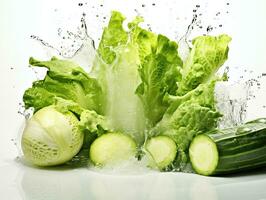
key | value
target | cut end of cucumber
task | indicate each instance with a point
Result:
(203, 155)
(162, 150)
(112, 148)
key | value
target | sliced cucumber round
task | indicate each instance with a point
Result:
(230, 150)
(203, 155)
(161, 151)
(112, 148)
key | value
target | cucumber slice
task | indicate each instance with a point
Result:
(112, 148)
(203, 155)
(230, 150)
(162, 151)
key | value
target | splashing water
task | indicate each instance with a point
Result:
(78, 47)
(232, 102)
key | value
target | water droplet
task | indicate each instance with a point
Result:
(209, 28)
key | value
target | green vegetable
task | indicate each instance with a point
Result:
(161, 151)
(138, 86)
(112, 149)
(68, 87)
(135, 62)
(114, 35)
(207, 55)
(159, 72)
(66, 80)
(192, 111)
(51, 137)
(231, 150)
(116, 69)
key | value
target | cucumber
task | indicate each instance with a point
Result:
(161, 151)
(230, 150)
(112, 148)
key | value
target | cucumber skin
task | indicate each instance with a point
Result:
(241, 148)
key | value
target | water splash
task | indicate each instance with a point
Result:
(233, 99)
(129, 167)
(77, 46)
(232, 103)
(26, 113)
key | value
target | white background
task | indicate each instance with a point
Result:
(245, 23)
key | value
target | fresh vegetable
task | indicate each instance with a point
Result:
(207, 55)
(51, 137)
(112, 148)
(140, 88)
(170, 92)
(135, 62)
(161, 151)
(66, 80)
(72, 92)
(230, 150)
(192, 110)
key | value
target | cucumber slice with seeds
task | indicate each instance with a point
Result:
(203, 155)
(161, 151)
(112, 148)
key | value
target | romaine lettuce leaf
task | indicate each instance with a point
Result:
(208, 54)
(159, 72)
(66, 80)
(113, 35)
(143, 39)
(116, 69)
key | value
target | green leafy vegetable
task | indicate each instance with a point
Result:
(206, 57)
(159, 72)
(113, 36)
(66, 80)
